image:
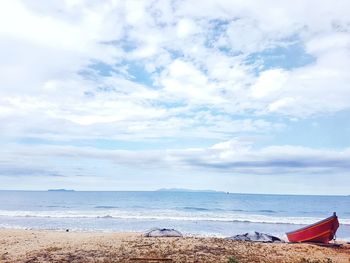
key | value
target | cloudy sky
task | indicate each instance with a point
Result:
(232, 95)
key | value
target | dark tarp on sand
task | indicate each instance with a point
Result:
(256, 237)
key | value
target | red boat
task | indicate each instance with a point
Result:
(320, 232)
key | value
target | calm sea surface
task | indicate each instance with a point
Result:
(196, 213)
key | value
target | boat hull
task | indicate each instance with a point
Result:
(320, 232)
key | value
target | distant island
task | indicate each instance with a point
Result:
(186, 190)
(61, 190)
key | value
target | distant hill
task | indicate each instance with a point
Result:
(61, 190)
(186, 190)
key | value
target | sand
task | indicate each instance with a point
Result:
(61, 246)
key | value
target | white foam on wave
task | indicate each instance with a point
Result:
(168, 215)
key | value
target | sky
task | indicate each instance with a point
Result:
(230, 95)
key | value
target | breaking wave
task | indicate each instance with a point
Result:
(200, 215)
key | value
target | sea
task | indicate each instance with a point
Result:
(192, 213)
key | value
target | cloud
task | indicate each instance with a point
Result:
(195, 56)
(316, 89)
(233, 157)
(269, 83)
(193, 70)
(15, 171)
(186, 27)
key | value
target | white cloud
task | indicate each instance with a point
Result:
(185, 28)
(278, 105)
(80, 35)
(233, 156)
(269, 83)
(315, 89)
(141, 70)
(135, 12)
(179, 45)
(184, 80)
(328, 43)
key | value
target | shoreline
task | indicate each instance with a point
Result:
(190, 229)
(109, 231)
(19, 245)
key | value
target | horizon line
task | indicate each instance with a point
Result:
(168, 190)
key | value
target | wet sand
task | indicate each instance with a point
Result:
(60, 246)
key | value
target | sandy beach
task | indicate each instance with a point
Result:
(60, 246)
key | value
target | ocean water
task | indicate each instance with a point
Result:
(193, 213)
